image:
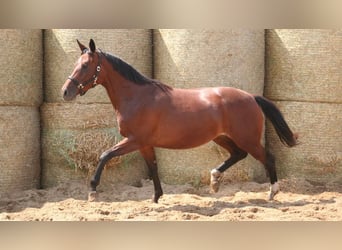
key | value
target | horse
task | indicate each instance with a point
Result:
(153, 114)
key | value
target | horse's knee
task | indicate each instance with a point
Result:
(105, 156)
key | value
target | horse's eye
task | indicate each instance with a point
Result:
(84, 65)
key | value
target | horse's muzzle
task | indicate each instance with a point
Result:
(67, 94)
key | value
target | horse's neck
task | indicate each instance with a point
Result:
(120, 90)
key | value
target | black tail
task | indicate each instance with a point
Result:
(275, 116)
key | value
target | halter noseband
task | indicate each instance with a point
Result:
(92, 80)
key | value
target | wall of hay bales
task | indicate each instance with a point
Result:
(75, 134)
(197, 58)
(45, 141)
(303, 77)
(20, 97)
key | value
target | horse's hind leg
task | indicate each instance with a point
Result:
(236, 154)
(150, 158)
(268, 160)
(271, 170)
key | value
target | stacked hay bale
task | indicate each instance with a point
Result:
(20, 96)
(75, 134)
(304, 79)
(204, 58)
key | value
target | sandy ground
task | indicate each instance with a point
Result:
(298, 201)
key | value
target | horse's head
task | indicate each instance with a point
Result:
(85, 74)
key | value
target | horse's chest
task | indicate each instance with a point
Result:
(129, 125)
(123, 126)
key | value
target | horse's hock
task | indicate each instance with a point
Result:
(303, 77)
(206, 58)
(75, 134)
(20, 98)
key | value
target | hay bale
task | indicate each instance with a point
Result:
(21, 67)
(73, 138)
(304, 65)
(19, 148)
(303, 77)
(62, 51)
(318, 158)
(204, 58)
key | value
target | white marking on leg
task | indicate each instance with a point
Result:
(215, 178)
(274, 190)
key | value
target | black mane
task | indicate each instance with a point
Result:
(131, 74)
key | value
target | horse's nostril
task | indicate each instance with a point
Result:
(65, 93)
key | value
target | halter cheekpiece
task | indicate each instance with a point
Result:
(92, 80)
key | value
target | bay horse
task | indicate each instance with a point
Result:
(152, 114)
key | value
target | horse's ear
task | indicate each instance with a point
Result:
(92, 45)
(82, 47)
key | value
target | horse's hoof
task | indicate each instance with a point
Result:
(271, 197)
(274, 190)
(92, 196)
(215, 180)
(215, 186)
(155, 198)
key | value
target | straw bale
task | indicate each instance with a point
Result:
(70, 115)
(19, 148)
(204, 58)
(21, 66)
(304, 65)
(318, 158)
(73, 138)
(62, 51)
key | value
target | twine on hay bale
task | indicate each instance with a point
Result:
(21, 66)
(204, 58)
(19, 148)
(62, 51)
(74, 136)
(304, 65)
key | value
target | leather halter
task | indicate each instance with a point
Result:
(92, 80)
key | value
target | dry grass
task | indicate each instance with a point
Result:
(76, 150)
(88, 148)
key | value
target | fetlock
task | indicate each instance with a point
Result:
(215, 179)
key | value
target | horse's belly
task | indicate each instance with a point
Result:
(188, 132)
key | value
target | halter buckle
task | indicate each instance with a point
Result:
(95, 81)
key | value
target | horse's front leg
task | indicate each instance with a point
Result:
(150, 158)
(125, 146)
